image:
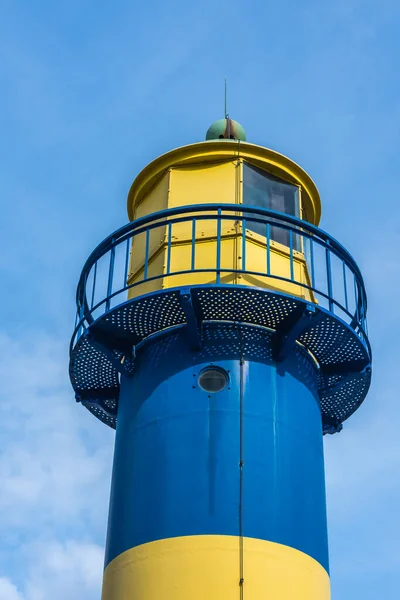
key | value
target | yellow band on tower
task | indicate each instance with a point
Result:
(210, 567)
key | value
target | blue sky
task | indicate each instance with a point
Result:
(90, 92)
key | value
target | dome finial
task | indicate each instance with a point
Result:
(226, 129)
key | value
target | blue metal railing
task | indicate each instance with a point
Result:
(334, 279)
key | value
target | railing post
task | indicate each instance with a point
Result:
(169, 247)
(146, 258)
(110, 276)
(329, 276)
(291, 255)
(312, 263)
(94, 284)
(193, 257)
(128, 242)
(346, 301)
(244, 223)
(219, 226)
(268, 236)
(356, 297)
(81, 316)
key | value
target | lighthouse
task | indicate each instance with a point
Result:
(221, 332)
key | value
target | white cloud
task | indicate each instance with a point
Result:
(55, 463)
(366, 454)
(56, 456)
(65, 570)
(363, 491)
(8, 590)
(62, 570)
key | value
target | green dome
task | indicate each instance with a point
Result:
(225, 129)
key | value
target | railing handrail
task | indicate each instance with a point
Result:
(219, 212)
(105, 245)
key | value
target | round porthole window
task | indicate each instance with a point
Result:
(213, 379)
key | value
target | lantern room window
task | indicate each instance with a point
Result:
(262, 190)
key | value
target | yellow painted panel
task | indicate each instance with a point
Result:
(156, 198)
(181, 256)
(154, 201)
(156, 267)
(204, 184)
(205, 258)
(208, 567)
(256, 260)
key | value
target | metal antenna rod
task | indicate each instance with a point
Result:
(226, 100)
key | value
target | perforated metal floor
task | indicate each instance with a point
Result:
(343, 358)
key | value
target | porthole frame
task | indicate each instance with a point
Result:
(216, 369)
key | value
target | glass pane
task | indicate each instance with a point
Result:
(264, 191)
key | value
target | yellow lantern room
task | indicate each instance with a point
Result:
(235, 246)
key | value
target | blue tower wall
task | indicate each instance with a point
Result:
(246, 461)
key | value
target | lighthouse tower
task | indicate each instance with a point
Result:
(221, 332)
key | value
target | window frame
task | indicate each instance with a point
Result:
(262, 238)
